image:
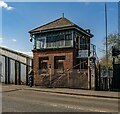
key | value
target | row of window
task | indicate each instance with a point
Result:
(63, 43)
(58, 44)
(61, 40)
(58, 38)
(58, 64)
(55, 41)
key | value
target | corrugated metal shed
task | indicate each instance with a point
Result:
(14, 66)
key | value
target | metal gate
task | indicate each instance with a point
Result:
(116, 76)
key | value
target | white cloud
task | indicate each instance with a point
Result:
(14, 40)
(5, 5)
(10, 8)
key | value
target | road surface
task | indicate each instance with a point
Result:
(35, 101)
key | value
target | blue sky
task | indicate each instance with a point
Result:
(24, 16)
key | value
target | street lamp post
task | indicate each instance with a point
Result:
(106, 46)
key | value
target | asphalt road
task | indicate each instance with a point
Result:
(35, 101)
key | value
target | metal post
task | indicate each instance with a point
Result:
(99, 76)
(68, 76)
(33, 70)
(113, 82)
(27, 71)
(89, 77)
(62, 15)
(50, 74)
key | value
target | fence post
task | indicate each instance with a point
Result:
(68, 76)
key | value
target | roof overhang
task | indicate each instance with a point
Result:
(63, 28)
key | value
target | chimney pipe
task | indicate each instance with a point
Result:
(88, 30)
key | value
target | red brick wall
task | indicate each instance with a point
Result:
(68, 63)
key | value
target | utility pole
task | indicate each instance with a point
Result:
(106, 46)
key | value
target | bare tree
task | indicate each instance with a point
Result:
(112, 40)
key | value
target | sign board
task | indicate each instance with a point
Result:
(82, 53)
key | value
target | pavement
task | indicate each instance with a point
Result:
(80, 92)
